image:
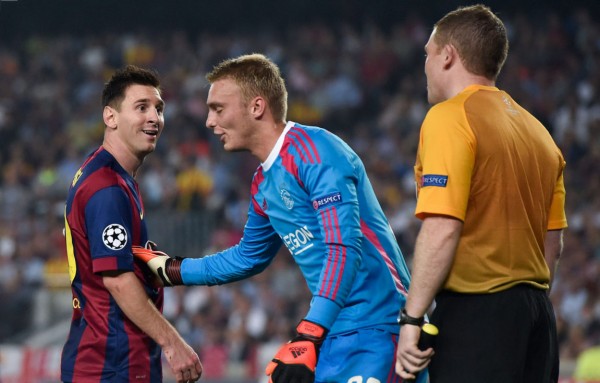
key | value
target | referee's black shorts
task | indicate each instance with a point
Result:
(504, 337)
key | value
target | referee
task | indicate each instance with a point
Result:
(491, 196)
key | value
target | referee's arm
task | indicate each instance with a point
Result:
(434, 254)
(553, 247)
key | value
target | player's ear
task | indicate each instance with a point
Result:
(109, 115)
(450, 55)
(258, 106)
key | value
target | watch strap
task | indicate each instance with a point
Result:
(404, 318)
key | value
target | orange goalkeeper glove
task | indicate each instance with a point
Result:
(167, 269)
(296, 360)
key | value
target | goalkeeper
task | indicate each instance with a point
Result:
(310, 193)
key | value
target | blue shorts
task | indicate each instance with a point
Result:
(362, 356)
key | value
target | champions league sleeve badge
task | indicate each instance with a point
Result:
(114, 236)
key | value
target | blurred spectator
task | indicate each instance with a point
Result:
(587, 369)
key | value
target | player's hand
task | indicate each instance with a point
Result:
(167, 269)
(409, 359)
(296, 360)
(184, 361)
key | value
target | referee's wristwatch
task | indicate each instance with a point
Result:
(404, 318)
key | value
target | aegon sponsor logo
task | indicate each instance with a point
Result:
(435, 180)
(327, 200)
(298, 240)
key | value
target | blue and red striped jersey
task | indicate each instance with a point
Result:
(103, 219)
(313, 195)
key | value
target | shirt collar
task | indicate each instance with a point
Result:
(277, 148)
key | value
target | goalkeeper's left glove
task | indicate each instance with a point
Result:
(167, 269)
(296, 360)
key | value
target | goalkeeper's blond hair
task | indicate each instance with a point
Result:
(256, 75)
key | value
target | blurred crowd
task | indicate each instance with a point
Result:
(363, 82)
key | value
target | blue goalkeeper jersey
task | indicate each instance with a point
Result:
(312, 194)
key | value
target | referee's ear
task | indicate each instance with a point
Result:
(450, 55)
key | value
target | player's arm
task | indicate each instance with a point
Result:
(557, 221)
(254, 252)
(332, 187)
(332, 180)
(434, 253)
(340, 228)
(250, 256)
(128, 292)
(553, 246)
(447, 148)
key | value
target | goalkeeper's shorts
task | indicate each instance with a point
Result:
(362, 356)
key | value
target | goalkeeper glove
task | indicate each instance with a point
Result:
(167, 269)
(296, 360)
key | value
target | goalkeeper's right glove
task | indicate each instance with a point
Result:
(167, 269)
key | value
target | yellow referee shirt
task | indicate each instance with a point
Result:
(485, 160)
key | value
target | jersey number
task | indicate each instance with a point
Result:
(359, 379)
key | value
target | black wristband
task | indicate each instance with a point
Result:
(404, 318)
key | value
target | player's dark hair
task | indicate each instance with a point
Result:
(114, 90)
(478, 35)
(256, 75)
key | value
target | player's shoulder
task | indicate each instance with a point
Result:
(446, 113)
(452, 107)
(316, 142)
(305, 134)
(101, 170)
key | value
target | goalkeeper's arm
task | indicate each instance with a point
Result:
(167, 269)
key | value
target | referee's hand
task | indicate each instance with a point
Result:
(409, 359)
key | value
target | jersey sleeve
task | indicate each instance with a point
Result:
(445, 160)
(557, 218)
(331, 184)
(254, 252)
(108, 221)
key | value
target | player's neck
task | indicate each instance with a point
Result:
(124, 157)
(265, 140)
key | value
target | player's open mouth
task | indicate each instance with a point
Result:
(151, 132)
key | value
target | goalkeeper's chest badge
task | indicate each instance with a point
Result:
(286, 197)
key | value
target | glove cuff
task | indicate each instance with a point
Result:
(173, 270)
(311, 331)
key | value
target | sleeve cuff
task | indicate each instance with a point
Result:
(323, 312)
(192, 272)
